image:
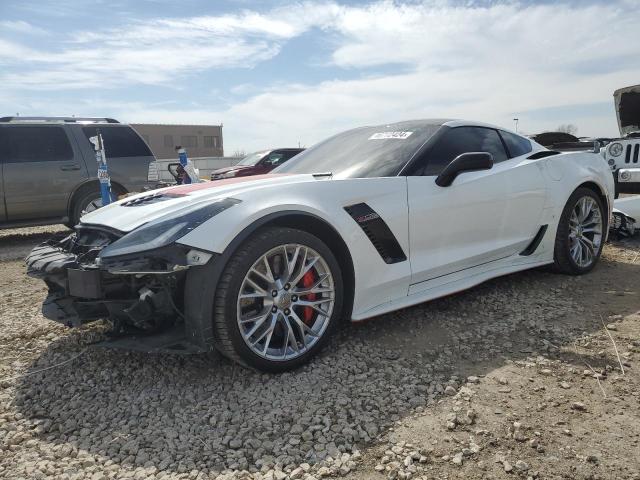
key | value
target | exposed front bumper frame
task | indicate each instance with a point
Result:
(141, 305)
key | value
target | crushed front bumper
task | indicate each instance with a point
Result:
(143, 307)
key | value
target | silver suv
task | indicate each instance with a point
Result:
(49, 171)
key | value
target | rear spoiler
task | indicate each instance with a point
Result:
(593, 147)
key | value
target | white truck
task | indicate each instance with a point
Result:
(623, 154)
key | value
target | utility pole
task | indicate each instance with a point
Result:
(516, 120)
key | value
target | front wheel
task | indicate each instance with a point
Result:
(278, 300)
(581, 233)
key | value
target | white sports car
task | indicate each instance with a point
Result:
(368, 221)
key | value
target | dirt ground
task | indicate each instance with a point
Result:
(533, 375)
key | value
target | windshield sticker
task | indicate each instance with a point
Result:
(387, 135)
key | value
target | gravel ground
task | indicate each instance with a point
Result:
(505, 380)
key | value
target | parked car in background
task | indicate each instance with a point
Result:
(257, 163)
(549, 139)
(623, 154)
(49, 170)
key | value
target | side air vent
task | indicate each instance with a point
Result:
(535, 243)
(377, 231)
(542, 154)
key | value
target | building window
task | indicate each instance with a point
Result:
(168, 141)
(189, 141)
(211, 142)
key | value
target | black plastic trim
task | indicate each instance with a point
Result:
(542, 154)
(378, 232)
(533, 246)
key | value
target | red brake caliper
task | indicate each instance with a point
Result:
(307, 281)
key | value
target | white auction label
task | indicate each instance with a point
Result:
(387, 135)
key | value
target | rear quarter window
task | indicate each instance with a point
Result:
(34, 144)
(119, 141)
(516, 144)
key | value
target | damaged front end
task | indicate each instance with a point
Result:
(135, 280)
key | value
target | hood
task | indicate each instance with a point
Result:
(627, 102)
(136, 210)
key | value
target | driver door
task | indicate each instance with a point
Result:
(483, 216)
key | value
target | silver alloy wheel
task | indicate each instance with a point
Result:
(92, 205)
(285, 302)
(585, 231)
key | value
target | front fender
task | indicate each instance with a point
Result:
(376, 282)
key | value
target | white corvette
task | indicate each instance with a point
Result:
(371, 220)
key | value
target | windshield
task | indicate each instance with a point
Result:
(364, 152)
(252, 158)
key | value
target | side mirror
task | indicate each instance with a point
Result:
(466, 162)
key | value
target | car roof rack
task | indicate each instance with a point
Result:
(59, 119)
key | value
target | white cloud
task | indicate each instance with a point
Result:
(20, 26)
(486, 62)
(151, 52)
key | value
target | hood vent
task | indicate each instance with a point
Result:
(146, 200)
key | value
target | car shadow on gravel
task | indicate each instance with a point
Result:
(203, 413)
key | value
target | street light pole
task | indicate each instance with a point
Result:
(516, 120)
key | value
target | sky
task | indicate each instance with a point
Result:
(282, 73)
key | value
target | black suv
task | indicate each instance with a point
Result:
(49, 169)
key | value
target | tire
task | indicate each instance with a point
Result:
(287, 331)
(587, 234)
(88, 200)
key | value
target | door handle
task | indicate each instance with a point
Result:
(70, 166)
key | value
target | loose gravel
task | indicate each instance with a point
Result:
(117, 414)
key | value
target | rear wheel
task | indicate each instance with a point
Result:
(581, 233)
(278, 300)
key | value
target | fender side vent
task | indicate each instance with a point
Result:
(377, 231)
(533, 246)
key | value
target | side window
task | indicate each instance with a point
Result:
(516, 144)
(120, 142)
(290, 154)
(275, 159)
(460, 140)
(35, 144)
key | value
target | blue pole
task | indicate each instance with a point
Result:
(103, 171)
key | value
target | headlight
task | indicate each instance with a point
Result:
(615, 149)
(165, 230)
(230, 174)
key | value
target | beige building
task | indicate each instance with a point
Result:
(198, 140)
